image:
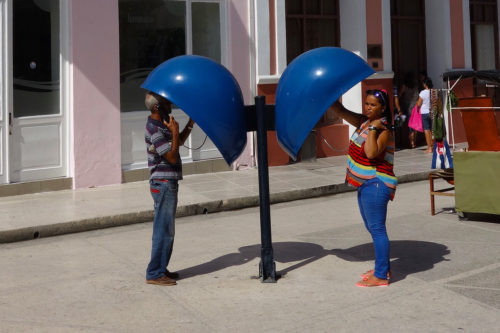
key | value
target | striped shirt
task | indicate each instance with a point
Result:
(360, 168)
(158, 142)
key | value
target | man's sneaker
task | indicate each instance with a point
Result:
(172, 275)
(162, 281)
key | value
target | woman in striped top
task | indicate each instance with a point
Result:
(370, 170)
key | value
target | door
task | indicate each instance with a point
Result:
(37, 136)
(408, 38)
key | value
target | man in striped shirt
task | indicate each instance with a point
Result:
(162, 144)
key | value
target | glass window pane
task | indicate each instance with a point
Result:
(320, 33)
(485, 46)
(150, 33)
(293, 7)
(313, 7)
(36, 57)
(294, 45)
(330, 7)
(490, 14)
(407, 8)
(206, 30)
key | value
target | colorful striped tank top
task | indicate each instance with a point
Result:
(360, 168)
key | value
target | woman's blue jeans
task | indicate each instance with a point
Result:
(373, 197)
(165, 204)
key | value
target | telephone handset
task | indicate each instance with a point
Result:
(163, 114)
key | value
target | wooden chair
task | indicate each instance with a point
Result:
(446, 174)
(480, 124)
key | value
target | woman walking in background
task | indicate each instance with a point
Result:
(424, 102)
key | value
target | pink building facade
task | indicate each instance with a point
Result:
(72, 113)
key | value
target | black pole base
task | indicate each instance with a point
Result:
(270, 275)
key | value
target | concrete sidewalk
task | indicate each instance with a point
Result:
(47, 214)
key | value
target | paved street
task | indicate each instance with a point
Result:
(446, 274)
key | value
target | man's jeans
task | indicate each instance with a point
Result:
(165, 203)
(373, 197)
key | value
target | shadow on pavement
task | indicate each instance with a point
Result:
(411, 257)
(407, 256)
(284, 252)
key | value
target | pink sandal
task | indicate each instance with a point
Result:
(366, 275)
(374, 284)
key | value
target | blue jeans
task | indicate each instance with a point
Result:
(165, 204)
(373, 197)
(426, 121)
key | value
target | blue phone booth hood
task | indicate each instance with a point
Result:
(208, 93)
(310, 84)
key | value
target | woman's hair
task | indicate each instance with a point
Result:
(428, 82)
(383, 98)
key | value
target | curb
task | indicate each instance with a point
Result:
(30, 233)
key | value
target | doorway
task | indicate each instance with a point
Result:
(409, 58)
(34, 127)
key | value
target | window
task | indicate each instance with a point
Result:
(153, 31)
(311, 24)
(484, 39)
(36, 57)
(484, 34)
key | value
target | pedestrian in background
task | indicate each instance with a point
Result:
(162, 143)
(405, 101)
(424, 103)
(370, 169)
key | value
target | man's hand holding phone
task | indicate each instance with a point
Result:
(172, 125)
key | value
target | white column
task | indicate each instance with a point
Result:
(386, 35)
(438, 39)
(280, 20)
(353, 38)
(262, 40)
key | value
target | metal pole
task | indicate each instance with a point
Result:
(267, 268)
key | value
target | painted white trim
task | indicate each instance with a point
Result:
(268, 79)
(4, 118)
(8, 78)
(225, 57)
(253, 48)
(189, 29)
(251, 137)
(281, 61)
(467, 38)
(386, 36)
(381, 75)
(66, 88)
